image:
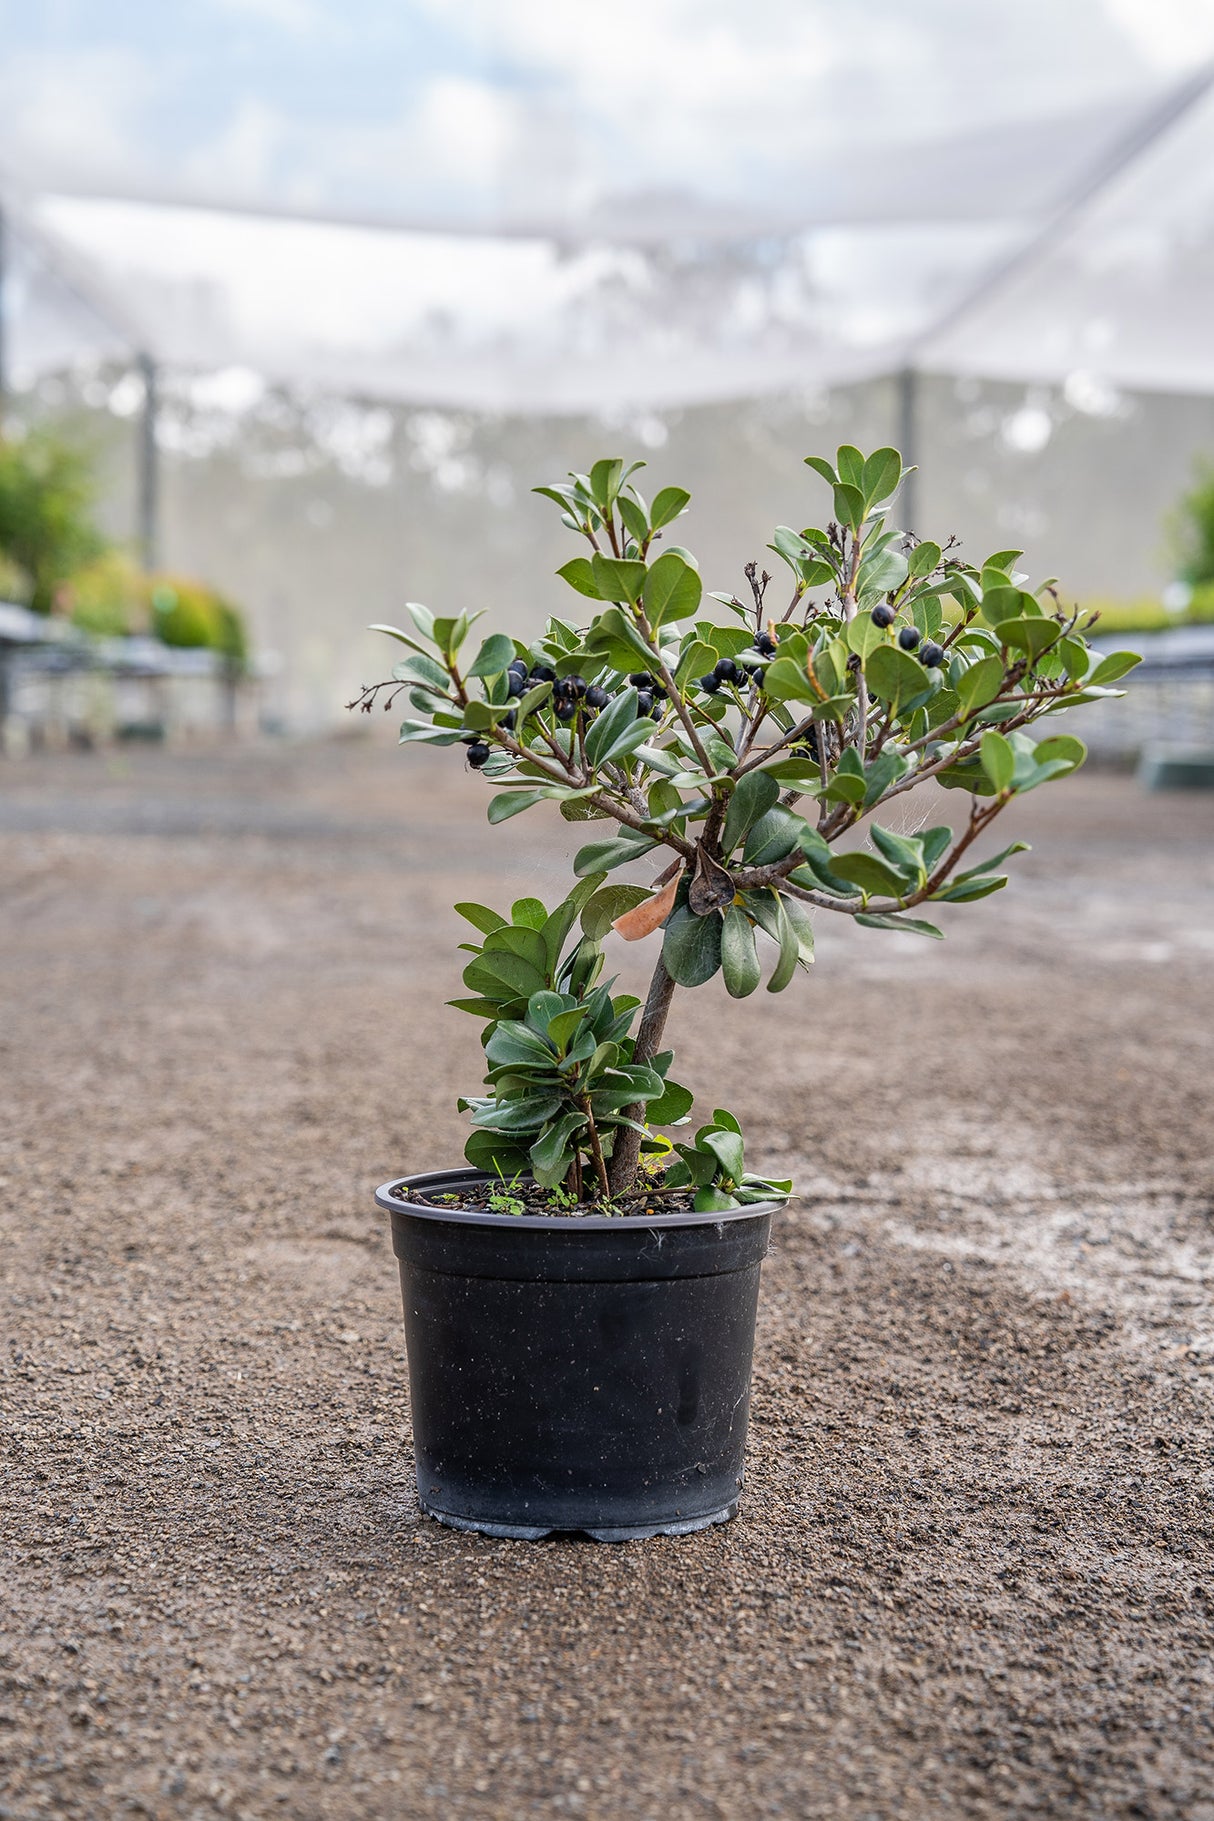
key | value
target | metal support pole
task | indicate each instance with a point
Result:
(149, 471)
(908, 402)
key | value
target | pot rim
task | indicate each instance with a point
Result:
(550, 1223)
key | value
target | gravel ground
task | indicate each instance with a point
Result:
(973, 1573)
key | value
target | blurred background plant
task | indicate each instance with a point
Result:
(47, 530)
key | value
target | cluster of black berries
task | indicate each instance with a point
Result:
(931, 655)
(742, 669)
(651, 694)
(521, 676)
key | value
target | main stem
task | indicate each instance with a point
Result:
(626, 1155)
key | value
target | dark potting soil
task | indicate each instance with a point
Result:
(530, 1198)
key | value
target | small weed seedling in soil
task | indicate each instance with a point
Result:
(756, 746)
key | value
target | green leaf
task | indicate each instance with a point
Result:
(849, 506)
(821, 466)
(691, 946)
(632, 512)
(756, 793)
(424, 733)
(603, 856)
(481, 917)
(494, 656)
(801, 924)
(726, 1147)
(1030, 635)
(894, 676)
(904, 852)
(605, 483)
(667, 506)
(863, 636)
(394, 632)
(578, 573)
(790, 953)
(739, 961)
(1061, 746)
(613, 637)
(979, 684)
(988, 866)
(527, 1113)
(965, 891)
(493, 975)
(672, 590)
(869, 873)
(607, 904)
(532, 913)
(851, 466)
(616, 579)
(509, 803)
(1001, 601)
(713, 1201)
(491, 1152)
(785, 681)
(998, 760)
(551, 1154)
(774, 836)
(880, 477)
(913, 926)
(619, 714)
(518, 939)
(1117, 664)
(886, 769)
(923, 558)
(515, 1045)
(478, 1008)
(671, 1105)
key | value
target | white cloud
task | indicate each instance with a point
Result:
(75, 111)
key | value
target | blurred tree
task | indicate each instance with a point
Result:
(46, 522)
(1195, 529)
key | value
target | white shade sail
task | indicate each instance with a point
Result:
(669, 304)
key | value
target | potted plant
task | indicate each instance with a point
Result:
(580, 1296)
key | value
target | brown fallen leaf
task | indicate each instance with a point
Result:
(644, 918)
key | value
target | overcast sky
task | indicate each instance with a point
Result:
(439, 107)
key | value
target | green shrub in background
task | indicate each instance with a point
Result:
(1148, 613)
(108, 597)
(187, 614)
(1194, 530)
(46, 513)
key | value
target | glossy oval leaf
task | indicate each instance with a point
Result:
(739, 959)
(691, 947)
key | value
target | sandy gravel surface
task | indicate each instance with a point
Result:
(974, 1573)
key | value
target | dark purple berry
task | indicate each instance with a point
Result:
(727, 670)
(517, 667)
(909, 637)
(515, 684)
(565, 709)
(766, 644)
(508, 721)
(883, 616)
(710, 684)
(577, 685)
(641, 679)
(644, 701)
(596, 697)
(477, 755)
(931, 655)
(542, 673)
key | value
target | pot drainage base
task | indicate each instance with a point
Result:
(626, 1533)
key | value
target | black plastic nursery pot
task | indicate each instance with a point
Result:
(576, 1374)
